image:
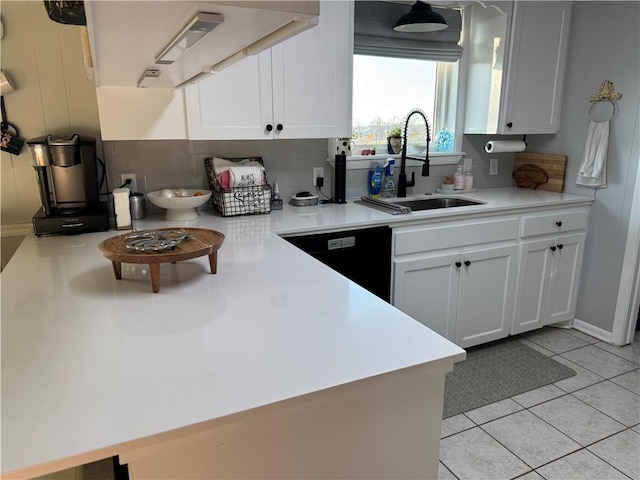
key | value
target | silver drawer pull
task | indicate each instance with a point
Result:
(71, 225)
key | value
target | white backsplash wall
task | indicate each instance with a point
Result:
(162, 164)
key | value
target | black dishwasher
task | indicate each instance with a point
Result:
(363, 256)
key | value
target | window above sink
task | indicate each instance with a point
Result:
(395, 73)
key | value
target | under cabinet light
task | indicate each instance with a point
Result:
(197, 77)
(197, 28)
(148, 78)
(230, 60)
(282, 33)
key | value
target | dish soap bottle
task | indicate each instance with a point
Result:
(458, 179)
(389, 186)
(374, 183)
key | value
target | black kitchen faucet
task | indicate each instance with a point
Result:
(402, 178)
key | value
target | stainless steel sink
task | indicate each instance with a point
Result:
(436, 202)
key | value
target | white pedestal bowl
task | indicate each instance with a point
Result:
(180, 209)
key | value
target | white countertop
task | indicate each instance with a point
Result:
(498, 200)
(92, 366)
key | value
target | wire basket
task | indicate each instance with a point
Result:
(248, 200)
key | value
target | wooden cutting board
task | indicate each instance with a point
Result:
(540, 171)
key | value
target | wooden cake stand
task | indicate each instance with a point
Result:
(204, 242)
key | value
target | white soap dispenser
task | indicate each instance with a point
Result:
(468, 179)
(458, 179)
(468, 174)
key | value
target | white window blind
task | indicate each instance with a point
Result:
(374, 34)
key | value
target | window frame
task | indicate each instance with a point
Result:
(446, 112)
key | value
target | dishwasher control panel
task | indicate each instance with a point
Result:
(344, 242)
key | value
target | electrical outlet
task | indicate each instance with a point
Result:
(317, 172)
(493, 166)
(133, 186)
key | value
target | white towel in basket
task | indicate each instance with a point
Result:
(246, 176)
(239, 173)
(593, 169)
(221, 164)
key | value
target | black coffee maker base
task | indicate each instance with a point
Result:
(70, 224)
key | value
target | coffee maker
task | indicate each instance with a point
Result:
(68, 180)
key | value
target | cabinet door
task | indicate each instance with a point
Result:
(427, 290)
(486, 298)
(533, 285)
(486, 51)
(312, 77)
(565, 278)
(300, 88)
(235, 103)
(536, 67)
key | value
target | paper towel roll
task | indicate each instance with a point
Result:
(501, 146)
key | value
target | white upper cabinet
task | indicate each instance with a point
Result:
(298, 89)
(517, 55)
(126, 37)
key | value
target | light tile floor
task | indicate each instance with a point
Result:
(585, 427)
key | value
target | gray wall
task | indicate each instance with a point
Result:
(604, 44)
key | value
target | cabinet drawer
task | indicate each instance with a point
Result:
(422, 239)
(558, 222)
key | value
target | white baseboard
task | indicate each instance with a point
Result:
(592, 330)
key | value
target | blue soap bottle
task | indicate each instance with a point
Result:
(374, 180)
(388, 185)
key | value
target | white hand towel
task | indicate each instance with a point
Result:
(593, 169)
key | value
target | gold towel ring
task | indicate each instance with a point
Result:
(606, 93)
(613, 114)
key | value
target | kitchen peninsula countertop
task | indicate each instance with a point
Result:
(92, 367)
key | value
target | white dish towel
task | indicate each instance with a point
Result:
(593, 169)
(246, 176)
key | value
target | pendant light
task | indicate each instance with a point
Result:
(421, 18)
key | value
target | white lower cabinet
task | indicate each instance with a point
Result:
(480, 279)
(486, 295)
(466, 293)
(427, 290)
(467, 297)
(548, 281)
